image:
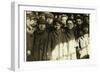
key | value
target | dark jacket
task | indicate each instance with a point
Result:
(40, 45)
(49, 28)
(78, 31)
(55, 38)
(69, 34)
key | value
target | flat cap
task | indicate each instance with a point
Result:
(49, 15)
(41, 21)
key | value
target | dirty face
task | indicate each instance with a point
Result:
(57, 26)
(79, 21)
(42, 26)
(70, 24)
(63, 20)
(49, 20)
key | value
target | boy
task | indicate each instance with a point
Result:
(56, 44)
(40, 41)
(84, 44)
(70, 37)
(49, 22)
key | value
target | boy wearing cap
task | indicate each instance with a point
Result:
(79, 34)
(63, 20)
(31, 23)
(55, 42)
(79, 27)
(49, 22)
(84, 45)
(40, 41)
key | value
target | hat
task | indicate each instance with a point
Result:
(42, 14)
(49, 15)
(41, 21)
(57, 21)
(64, 15)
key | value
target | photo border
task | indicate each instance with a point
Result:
(16, 62)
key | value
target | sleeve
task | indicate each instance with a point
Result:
(49, 46)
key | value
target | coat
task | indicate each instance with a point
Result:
(40, 45)
(55, 49)
(84, 45)
(71, 43)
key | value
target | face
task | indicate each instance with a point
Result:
(33, 22)
(70, 24)
(85, 30)
(87, 19)
(55, 16)
(28, 21)
(79, 21)
(42, 26)
(49, 20)
(63, 19)
(72, 16)
(43, 17)
(57, 26)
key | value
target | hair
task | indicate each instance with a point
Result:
(57, 20)
(63, 16)
(41, 21)
(70, 20)
(49, 15)
(79, 18)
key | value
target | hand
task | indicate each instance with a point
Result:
(28, 52)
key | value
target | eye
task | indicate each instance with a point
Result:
(69, 23)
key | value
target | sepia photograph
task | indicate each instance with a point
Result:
(56, 36)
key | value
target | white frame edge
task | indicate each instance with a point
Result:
(15, 64)
(14, 37)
